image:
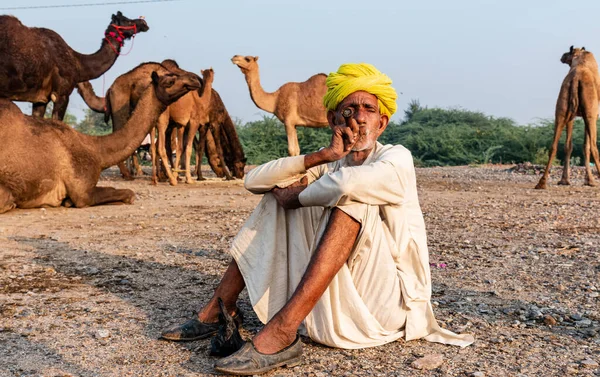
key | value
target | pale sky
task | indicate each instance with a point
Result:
(498, 57)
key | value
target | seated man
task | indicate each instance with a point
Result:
(337, 244)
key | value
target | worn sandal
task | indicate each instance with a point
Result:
(248, 361)
(194, 329)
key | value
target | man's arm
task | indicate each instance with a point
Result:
(342, 141)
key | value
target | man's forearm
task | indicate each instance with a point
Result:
(317, 158)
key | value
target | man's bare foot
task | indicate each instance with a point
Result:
(273, 338)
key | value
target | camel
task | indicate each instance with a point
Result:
(579, 96)
(232, 150)
(190, 111)
(46, 163)
(122, 96)
(38, 66)
(294, 103)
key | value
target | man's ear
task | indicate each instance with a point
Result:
(383, 123)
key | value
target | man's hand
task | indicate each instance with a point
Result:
(288, 197)
(344, 135)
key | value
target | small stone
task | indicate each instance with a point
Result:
(477, 374)
(584, 323)
(576, 317)
(549, 320)
(589, 363)
(428, 362)
(101, 334)
(594, 295)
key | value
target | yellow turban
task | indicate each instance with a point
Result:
(352, 78)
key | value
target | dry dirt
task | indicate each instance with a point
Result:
(85, 292)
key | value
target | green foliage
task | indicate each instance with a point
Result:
(93, 124)
(265, 140)
(436, 137)
(69, 118)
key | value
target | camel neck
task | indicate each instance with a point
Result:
(94, 65)
(117, 146)
(263, 100)
(86, 91)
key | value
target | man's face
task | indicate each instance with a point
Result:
(370, 122)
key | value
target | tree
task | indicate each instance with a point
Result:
(93, 124)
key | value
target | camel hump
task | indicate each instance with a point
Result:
(318, 77)
(6, 19)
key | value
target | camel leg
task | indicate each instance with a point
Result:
(154, 180)
(103, 195)
(180, 149)
(125, 173)
(7, 201)
(137, 168)
(292, 136)
(162, 128)
(593, 132)
(60, 108)
(212, 156)
(216, 131)
(38, 110)
(589, 178)
(560, 122)
(203, 131)
(189, 141)
(568, 150)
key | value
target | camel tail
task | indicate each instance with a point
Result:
(574, 97)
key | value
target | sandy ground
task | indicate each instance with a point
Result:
(85, 292)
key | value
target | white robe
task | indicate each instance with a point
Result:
(383, 292)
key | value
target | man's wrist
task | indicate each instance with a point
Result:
(320, 157)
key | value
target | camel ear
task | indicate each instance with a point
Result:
(154, 78)
(571, 49)
(256, 58)
(583, 48)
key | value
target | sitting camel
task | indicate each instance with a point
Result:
(294, 103)
(38, 66)
(47, 163)
(579, 96)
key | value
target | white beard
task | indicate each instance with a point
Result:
(367, 142)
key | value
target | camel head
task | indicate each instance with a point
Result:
(573, 54)
(172, 86)
(246, 63)
(124, 27)
(238, 168)
(208, 75)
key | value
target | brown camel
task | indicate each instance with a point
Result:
(47, 163)
(294, 103)
(233, 152)
(579, 96)
(121, 97)
(191, 112)
(38, 66)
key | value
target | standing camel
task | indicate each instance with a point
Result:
(122, 97)
(38, 66)
(47, 163)
(579, 96)
(221, 126)
(294, 103)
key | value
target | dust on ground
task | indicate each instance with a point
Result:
(85, 292)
